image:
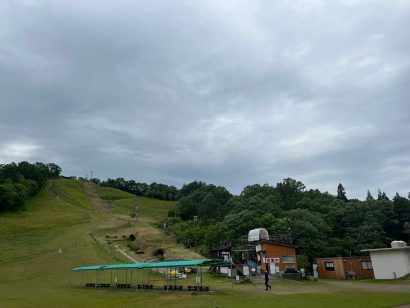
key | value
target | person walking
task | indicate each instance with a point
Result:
(267, 285)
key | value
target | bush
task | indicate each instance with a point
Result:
(133, 246)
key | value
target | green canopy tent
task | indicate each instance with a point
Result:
(151, 265)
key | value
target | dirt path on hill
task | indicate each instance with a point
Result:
(92, 191)
(149, 237)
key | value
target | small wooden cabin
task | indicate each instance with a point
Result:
(345, 267)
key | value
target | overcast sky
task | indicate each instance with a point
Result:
(227, 92)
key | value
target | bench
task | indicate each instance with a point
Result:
(145, 286)
(171, 287)
(200, 288)
(123, 285)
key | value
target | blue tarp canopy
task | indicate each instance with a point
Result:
(173, 264)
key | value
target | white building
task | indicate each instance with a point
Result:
(391, 263)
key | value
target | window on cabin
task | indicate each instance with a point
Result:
(367, 265)
(329, 266)
(288, 259)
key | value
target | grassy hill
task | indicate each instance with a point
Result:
(88, 224)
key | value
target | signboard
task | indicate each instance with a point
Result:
(272, 260)
(225, 255)
(245, 270)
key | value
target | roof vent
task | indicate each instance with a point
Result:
(398, 244)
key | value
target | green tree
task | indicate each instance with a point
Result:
(382, 195)
(54, 170)
(290, 191)
(369, 196)
(188, 189)
(207, 203)
(341, 194)
(309, 231)
(401, 207)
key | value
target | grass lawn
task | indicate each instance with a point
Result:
(33, 273)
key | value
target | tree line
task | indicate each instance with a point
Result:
(153, 190)
(319, 224)
(18, 182)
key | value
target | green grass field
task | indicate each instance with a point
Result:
(33, 273)
(151, 208)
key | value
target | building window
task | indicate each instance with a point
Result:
(288, 259)
(329, 266)
(367, 265)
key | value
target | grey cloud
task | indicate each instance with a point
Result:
(232, 93)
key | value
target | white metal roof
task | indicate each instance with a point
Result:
(258, 234)
(387, 249)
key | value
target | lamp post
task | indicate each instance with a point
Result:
(287, 219)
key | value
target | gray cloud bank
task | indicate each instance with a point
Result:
(229, 92)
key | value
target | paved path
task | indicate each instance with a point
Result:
(126, 254)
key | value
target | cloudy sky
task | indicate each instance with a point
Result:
(227, 92)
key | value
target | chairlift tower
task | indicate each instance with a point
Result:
(135, 207)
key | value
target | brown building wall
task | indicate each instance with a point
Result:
(277, 251)
(356, 265)
(342, 266)
(337, 273)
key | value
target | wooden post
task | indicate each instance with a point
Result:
(142, 280)
(197, 278)
(137, 279)
(231, 275)
(166, 278)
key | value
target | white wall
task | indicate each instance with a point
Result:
(390, 264)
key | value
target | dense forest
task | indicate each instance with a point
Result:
(23, 180)
(320, 224)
